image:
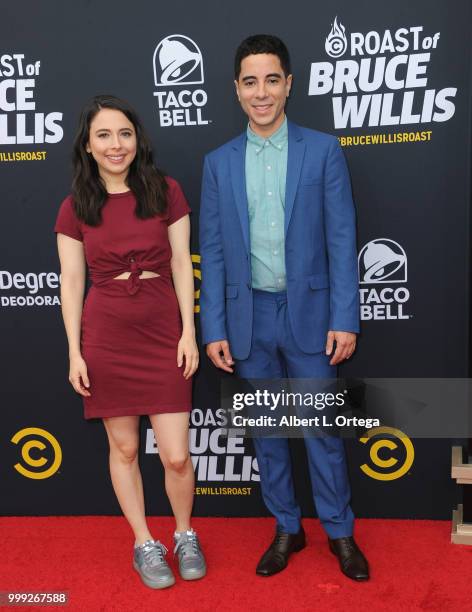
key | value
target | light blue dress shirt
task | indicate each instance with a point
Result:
(266, 174)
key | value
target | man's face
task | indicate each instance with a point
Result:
(262, 89)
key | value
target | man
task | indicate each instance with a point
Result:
(279, 286)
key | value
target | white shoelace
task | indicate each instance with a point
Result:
(153, 553)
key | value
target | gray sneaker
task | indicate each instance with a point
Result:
(191, 560)
(149, 561)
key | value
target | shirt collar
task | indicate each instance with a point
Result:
(278, 139)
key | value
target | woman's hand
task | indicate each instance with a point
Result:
(78, 377)
(187, 349)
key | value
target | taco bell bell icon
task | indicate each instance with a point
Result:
(177, 61)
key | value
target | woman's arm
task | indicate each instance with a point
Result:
(72, 258)
(182, 275)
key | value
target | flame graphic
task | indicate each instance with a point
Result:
(336, 41)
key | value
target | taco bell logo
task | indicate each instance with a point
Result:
(178, 62)
(336, 41)
(383, 262)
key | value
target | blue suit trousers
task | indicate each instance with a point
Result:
(274, 354)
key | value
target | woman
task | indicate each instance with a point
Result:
(132, 345)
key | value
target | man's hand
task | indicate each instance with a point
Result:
(223, 361)
(345, 345)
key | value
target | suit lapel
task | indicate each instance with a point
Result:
(238, 181)
(296, 153)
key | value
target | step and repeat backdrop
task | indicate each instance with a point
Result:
(391, 81)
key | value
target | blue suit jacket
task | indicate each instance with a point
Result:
(320, 244)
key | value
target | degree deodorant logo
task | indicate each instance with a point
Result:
(383, 262)
(397, 453)
(178, 63)
(39, 450)
(24, 289)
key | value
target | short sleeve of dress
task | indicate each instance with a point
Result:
(67, 222)
(178, 206)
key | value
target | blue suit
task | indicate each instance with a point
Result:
(321, 295)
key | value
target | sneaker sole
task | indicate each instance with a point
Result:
(150, 583)
(194, 575)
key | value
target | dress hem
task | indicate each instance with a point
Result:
(167, 409)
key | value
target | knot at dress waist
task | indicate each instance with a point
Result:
(136, 268)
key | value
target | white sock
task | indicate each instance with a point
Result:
(136, 545)
(177, 534)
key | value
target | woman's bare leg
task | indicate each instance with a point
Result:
(171, 432)
(123, 436)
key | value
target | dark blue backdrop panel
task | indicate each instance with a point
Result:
(391, 81)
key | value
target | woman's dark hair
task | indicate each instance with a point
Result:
(145, 181)
(262, 43)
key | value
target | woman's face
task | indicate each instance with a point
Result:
(112, 143)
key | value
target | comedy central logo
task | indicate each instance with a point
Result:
(383, 262)
(336, 41)
(397, 450)
(177, 62)
(39, 450)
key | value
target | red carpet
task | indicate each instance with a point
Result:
(414, 567)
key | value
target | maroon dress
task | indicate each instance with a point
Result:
(130, 327)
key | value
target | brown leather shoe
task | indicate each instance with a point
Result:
(352, 562)
(275, 558)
